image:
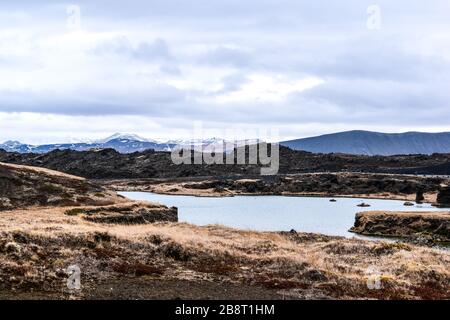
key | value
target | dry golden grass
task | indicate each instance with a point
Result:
(38, 170)
(298, 265)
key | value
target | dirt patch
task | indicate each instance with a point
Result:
(143, 288)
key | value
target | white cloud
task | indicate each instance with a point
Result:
(265, 88)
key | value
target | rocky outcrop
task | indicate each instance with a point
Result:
(128, 213)
(110, 164)
(22, 186)
(404, 224)
(419, 196)
(326, 183)
(443, 198)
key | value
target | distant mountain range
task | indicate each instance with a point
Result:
(374, 143)
(350, 142)
(123, 143)
(128, 143)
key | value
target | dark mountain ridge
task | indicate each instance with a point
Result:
(374, 143)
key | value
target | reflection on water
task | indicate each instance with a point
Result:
(275, 213)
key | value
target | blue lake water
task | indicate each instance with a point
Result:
(275, 213)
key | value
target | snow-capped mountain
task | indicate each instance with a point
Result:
(212, 144)
(198, 142)
(129, 143)
(125, 136)
(123, 143)
(16, 146)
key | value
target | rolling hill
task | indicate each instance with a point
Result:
(374, 143)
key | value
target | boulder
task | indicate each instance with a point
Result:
(419, 196)
(443, 198)
(364, 205)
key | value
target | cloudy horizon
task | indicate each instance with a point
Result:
(85, 70)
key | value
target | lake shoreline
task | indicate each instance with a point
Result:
(212, 194)
(338, 218)
(332, 185)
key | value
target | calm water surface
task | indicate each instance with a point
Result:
(275, 213)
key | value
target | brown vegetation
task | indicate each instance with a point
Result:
(40, 244)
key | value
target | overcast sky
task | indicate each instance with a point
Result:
(87, 69)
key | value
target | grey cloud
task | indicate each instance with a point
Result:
(396, 75)
(381, 58)
(157, 100)
(146, 51)
(224, 56)
(382, 102)
(170, 69)
(158, 49)
(232, 83)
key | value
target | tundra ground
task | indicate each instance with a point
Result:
(158, 260)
